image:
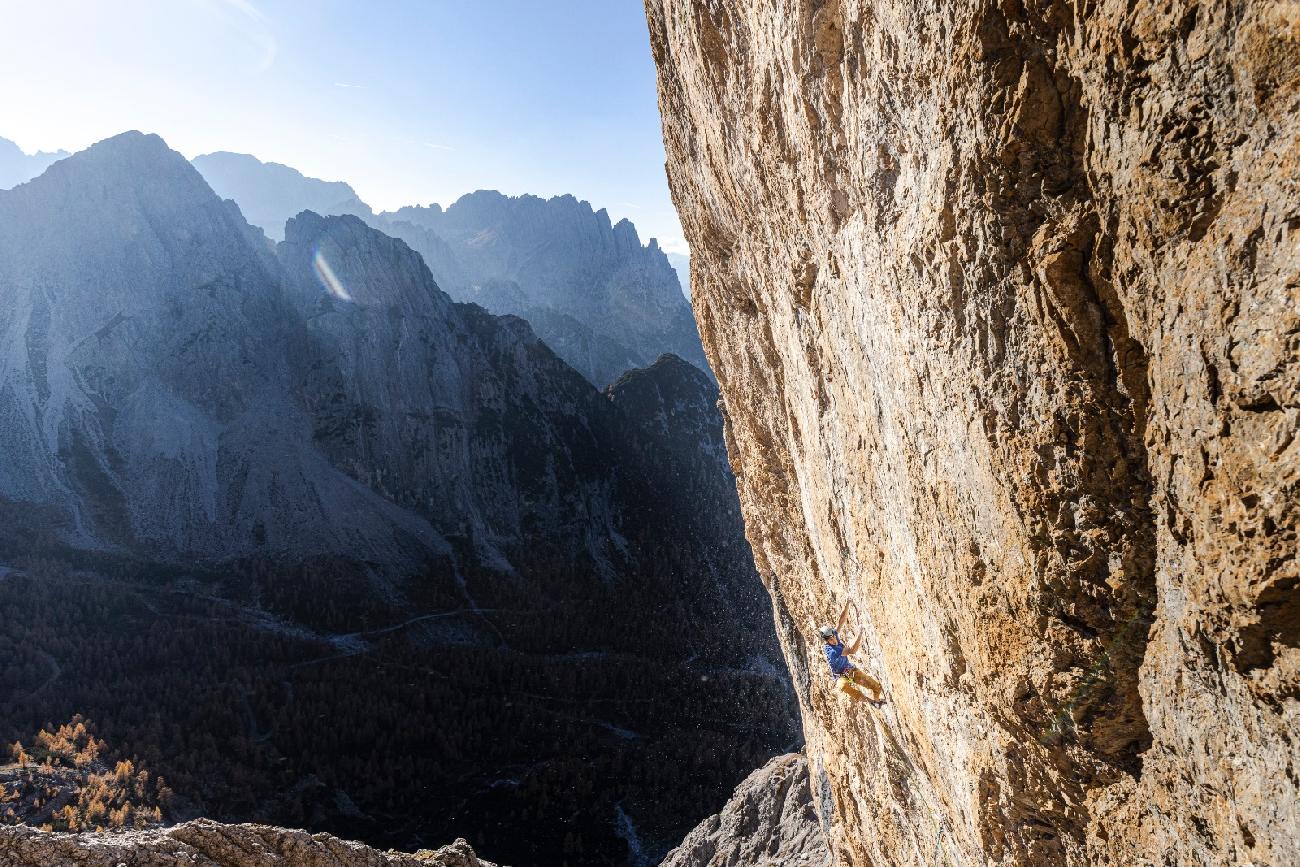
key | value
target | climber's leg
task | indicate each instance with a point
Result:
(868, 682)
(844, 683)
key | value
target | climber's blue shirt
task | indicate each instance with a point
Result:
(835, 656)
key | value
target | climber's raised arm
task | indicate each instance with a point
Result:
(857, 630)
(853, 648)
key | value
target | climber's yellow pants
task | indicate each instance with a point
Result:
(853, 683)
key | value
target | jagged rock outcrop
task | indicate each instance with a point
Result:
(204, 843)
(270, 194)
(677, 429)
(1003, 302)
(769, 822)
(17, 167)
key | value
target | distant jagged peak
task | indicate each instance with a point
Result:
(17, 166)
(357, 264)
(141, 161)
(120, 196)
(271, 193)
(556, 232)
(482, 204)
(670, 380)
(485, 200)
(625, 232)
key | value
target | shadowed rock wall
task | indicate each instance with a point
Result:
(1004, 303)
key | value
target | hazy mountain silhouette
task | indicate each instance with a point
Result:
(269, 194)
(682, 265)
(17, 167)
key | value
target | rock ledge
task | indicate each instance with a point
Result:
(204, 843)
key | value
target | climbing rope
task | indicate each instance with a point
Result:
(938, 846)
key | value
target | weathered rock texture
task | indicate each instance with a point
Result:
(769, 822)
(210, 844)
(1004, 302)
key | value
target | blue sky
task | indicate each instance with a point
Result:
(411, 102)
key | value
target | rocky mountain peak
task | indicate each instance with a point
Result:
(601, 299)
(132, 205)
(133, 163)
(667, 392)
(269, 194)
(356, 264)
(770, 821)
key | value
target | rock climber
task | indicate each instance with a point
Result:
(848, 678)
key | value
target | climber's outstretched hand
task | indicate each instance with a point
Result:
(857, 627)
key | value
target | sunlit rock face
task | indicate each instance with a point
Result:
(1003, 303)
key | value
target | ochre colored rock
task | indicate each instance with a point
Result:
(203, 843)
(1004, 302)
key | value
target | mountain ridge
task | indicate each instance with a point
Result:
(18, 167)
(603, 300)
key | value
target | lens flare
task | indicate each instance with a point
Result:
(328, 278)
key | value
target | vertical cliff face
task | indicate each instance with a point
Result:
(1002, 298)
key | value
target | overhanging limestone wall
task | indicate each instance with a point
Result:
(1004, 300)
